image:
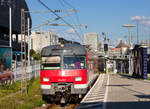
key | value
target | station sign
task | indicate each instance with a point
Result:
(144, 62)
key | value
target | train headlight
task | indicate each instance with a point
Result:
(46, 79)
(78, 78)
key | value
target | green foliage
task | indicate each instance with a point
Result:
(25, 101)
(32, 52)
(35, 55)
(9, 88)
(14, 86)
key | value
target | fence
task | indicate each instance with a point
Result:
(28, 72)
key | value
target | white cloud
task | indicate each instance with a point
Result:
(144, 20)
(139, 18)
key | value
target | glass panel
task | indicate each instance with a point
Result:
(76, 62)
(51, 63)
(53, 59)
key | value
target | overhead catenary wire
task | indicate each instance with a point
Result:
(47, 11)
(67, 12)
(60, 18)
(50, 21)
(77, 16)
(62, 3)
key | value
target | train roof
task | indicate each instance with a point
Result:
(67, 49)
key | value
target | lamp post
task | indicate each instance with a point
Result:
(129, 26)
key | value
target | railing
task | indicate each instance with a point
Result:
(28, 72)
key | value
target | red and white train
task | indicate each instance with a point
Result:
(64, 72)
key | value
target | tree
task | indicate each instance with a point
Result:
(34, 55)
(32, 52)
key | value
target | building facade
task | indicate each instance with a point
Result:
(43, 39)
(91, 39)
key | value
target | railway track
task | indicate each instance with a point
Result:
(55, 106)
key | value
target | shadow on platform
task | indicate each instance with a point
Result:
(144, 97)
(116, 105)
(119, 85)
(126, 76)
(132, 77)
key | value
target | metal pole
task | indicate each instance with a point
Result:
(129, 36)
(137, 33)
(41, 33)
(121, 66)
(10, 27)
(129, 63)
(28, 41)
(22, 52)
(15, 68)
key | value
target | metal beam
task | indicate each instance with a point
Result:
(47, 11)
(55, 24)
(50, 21)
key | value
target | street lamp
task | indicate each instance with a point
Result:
(129, 26)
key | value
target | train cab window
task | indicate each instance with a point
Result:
(51, 63)
(76, 62)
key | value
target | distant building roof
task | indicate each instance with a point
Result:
(121, 44)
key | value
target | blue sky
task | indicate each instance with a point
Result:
(100, 15)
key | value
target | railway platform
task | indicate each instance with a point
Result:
(96, 97)
(114, 91)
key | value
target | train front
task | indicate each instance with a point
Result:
(64, 72)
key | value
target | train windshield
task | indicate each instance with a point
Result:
(51, 63)
(74, 62)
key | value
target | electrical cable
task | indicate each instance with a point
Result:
(77, 16)
(60, 18)
(62, 3)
